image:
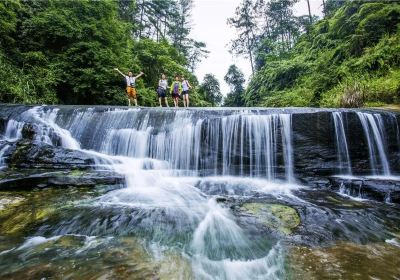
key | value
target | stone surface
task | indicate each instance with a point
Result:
(27, 154)
(345, 261)
(279, 217)
(31, 178)
(383, 190)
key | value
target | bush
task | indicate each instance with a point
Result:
(353, 96)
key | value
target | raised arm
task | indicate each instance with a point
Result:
(116, 69)
(140, 75)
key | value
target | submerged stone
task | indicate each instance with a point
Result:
(174, 266)
(345, 261)
(279, 217)
(6, 202)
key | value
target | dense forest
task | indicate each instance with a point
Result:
(64, 52)
(349, 58)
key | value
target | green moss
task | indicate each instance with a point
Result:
(76, 173)
(279, 217)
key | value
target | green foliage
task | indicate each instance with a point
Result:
(60, 51)
(356, 47)
(210, 90)
(235, 79)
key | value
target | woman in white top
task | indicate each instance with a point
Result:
(185, 91)
(130, 85)
(162, 90)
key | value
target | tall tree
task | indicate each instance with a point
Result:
(210, 89)
(309, 11)
(235, 79)
(196, 53)
(245, 23)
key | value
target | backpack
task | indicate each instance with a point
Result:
(176, 88)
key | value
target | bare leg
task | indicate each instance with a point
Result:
(159, 101)
(187, 100)
(184, 100)
(135, 101)
(166, 101)
(129, 101)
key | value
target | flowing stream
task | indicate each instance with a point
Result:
(206, 195)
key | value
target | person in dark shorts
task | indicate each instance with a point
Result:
(176, 89)
(162, 90)
(130, 85)
(186, 86)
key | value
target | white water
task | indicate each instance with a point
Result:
(155, 163)
(162, 162)
(2, 152)
(342, 149)
(13, 130)
(374, 133)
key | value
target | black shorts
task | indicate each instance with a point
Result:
(175, 95)
(161, 92)
(185, 92)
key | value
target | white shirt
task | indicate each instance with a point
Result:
(185, 85)
(163, 84)
(130, 81)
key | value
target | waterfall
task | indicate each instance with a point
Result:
(342, 150)
(242, 143)
(13, 130)
(374, 132)
(2, 152)
(188, 172)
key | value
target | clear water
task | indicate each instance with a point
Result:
(169, 222)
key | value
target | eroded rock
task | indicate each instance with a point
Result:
(278, 217)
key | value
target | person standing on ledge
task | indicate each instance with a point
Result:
(162, 90)
(176, 89)
(185, 91)
(130, 85)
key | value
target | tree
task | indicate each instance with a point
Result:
(210, 89)
(196, 53)
(235, 79)
(309, 11)
(245, 23)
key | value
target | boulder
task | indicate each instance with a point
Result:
(28, 154)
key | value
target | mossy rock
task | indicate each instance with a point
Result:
(174, 266)
(76, 173)
(279, 217)
(6, 202)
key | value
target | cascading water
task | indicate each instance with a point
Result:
(187, 174)
(374, 132)
(155, 161)
(342, 150)
(2, 152)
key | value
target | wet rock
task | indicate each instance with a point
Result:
(345, 261)
(29, 179)
(382, 190)
(278, 217)
(174, 266)
(8, 201)
(27, 154)
(28, 131)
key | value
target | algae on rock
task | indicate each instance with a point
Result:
(274, 216)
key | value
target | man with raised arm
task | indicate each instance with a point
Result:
(130, 85)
